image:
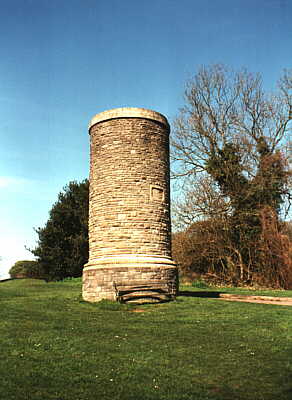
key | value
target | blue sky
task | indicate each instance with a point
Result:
(63, 61)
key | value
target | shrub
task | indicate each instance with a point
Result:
(26, 269)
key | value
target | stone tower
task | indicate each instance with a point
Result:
(129, 208)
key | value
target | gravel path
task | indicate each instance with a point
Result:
(279, 301)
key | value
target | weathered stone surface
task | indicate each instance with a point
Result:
(129, 210)
(160, 281)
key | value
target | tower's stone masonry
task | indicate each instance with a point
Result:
(129, 208)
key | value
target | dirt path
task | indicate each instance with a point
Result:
(279, 301)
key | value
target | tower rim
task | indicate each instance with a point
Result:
(128, 112)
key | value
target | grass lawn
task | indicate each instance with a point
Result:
(56, 347)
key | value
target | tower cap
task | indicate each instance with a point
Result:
(128, 112)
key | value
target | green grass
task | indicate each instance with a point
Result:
(203, 286)
(54, 346)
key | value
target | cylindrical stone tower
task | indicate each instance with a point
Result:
(129, 208)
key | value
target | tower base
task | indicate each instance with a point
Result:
(130, 279)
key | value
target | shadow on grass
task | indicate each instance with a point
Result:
(189, 293)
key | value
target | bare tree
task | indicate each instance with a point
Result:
(223, 106)
(231, 151)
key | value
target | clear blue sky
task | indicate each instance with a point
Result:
(63, 61)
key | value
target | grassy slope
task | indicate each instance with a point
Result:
(54, 346)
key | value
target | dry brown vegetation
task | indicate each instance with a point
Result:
(203, 251)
